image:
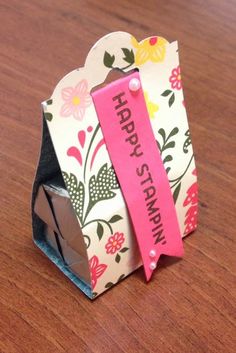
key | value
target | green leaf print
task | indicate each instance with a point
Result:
(110, 284)
(100, 231)
(124, 250)
(115, 218)
(101, 187)
(168, 158)
(167, 144)
(173, 132)
(108, 59)
(48, 116)
(167, 170)
(117, 258)
(120, 278)
(163, 134)
(76, 192)
(129, 55)
(166, 93)
(171, 100)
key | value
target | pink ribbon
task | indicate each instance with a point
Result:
(133, 150)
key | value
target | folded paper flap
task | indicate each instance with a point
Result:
(66, 219)
(53, 186)
(50, 236)
(55, 209)
(75, 261)
(43, 209)
(48, 168)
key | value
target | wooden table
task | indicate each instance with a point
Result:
(189, 306)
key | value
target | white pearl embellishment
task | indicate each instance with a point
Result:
(134, 85)
(152, 266)
(152, 253)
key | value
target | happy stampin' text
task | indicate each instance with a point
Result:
(143, 171)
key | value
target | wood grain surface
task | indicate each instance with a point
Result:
(189, 306)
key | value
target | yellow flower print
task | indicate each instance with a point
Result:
(151, 107)
(150, 49)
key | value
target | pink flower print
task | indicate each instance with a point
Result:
(114, 243)
(96, 270)
(77, 99)
(192, 195)
(175, 78)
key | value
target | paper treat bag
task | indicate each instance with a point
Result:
(116, 183)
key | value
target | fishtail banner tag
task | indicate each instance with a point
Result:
(132, 147)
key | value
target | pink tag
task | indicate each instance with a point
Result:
(131, 144)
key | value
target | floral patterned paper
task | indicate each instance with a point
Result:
(86, 167)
